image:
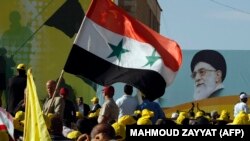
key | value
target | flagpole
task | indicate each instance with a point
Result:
(59, 80)
(139, 97)
(54, 94)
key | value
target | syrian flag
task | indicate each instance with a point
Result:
(111, 47)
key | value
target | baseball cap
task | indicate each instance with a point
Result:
(94, 99)
(243, 95)
(79, 115)
(74, 134)
(199, 114)
(108, 90)
(225, 115)
(174, 115)
(19, 115)
(127, 120)
(20, 67)
(64, 91)
(144, 121)
(120, 130)
(147, 113)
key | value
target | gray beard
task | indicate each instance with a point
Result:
(203, 92)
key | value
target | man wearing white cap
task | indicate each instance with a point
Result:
(242, 105)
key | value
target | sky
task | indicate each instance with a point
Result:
(207, 24)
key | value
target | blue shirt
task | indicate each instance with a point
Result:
(154, 107)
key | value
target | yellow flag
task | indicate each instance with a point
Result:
(34, 126)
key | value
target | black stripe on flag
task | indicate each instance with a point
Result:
(82, 63)
(67, 18)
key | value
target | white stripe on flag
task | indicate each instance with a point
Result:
(96, 39)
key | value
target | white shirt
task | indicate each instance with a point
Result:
(81, 109)
(127, 105)
(241, 106)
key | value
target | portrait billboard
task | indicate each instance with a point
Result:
(212, 78)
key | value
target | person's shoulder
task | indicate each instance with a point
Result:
(134, 97)
(155, 105)
(238, 104)
(110, 102)
(69, 101)
(118, 100)
(85, 104)
(244, 104)
(21, 76)
(59, 98)
(13, 77)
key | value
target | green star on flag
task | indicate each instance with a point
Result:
(117, 50)
(152, 59)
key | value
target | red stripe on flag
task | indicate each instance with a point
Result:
(3, 128)
(106, 14)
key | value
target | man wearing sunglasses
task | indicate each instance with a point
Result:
(208, 69)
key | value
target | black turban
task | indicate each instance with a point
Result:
(211, 57)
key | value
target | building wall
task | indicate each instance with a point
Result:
(146, 11)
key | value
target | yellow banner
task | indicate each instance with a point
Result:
(35, 128)
(25, 39)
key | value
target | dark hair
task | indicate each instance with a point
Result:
(56, 124)
(84, 125)
(21, 72)
(128, 89)
(109, 90)
(80, 98)
(242, 93)
(185, 121)
(104, 128)
(202, 121)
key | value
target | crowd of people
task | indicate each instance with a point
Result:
(66, 120)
